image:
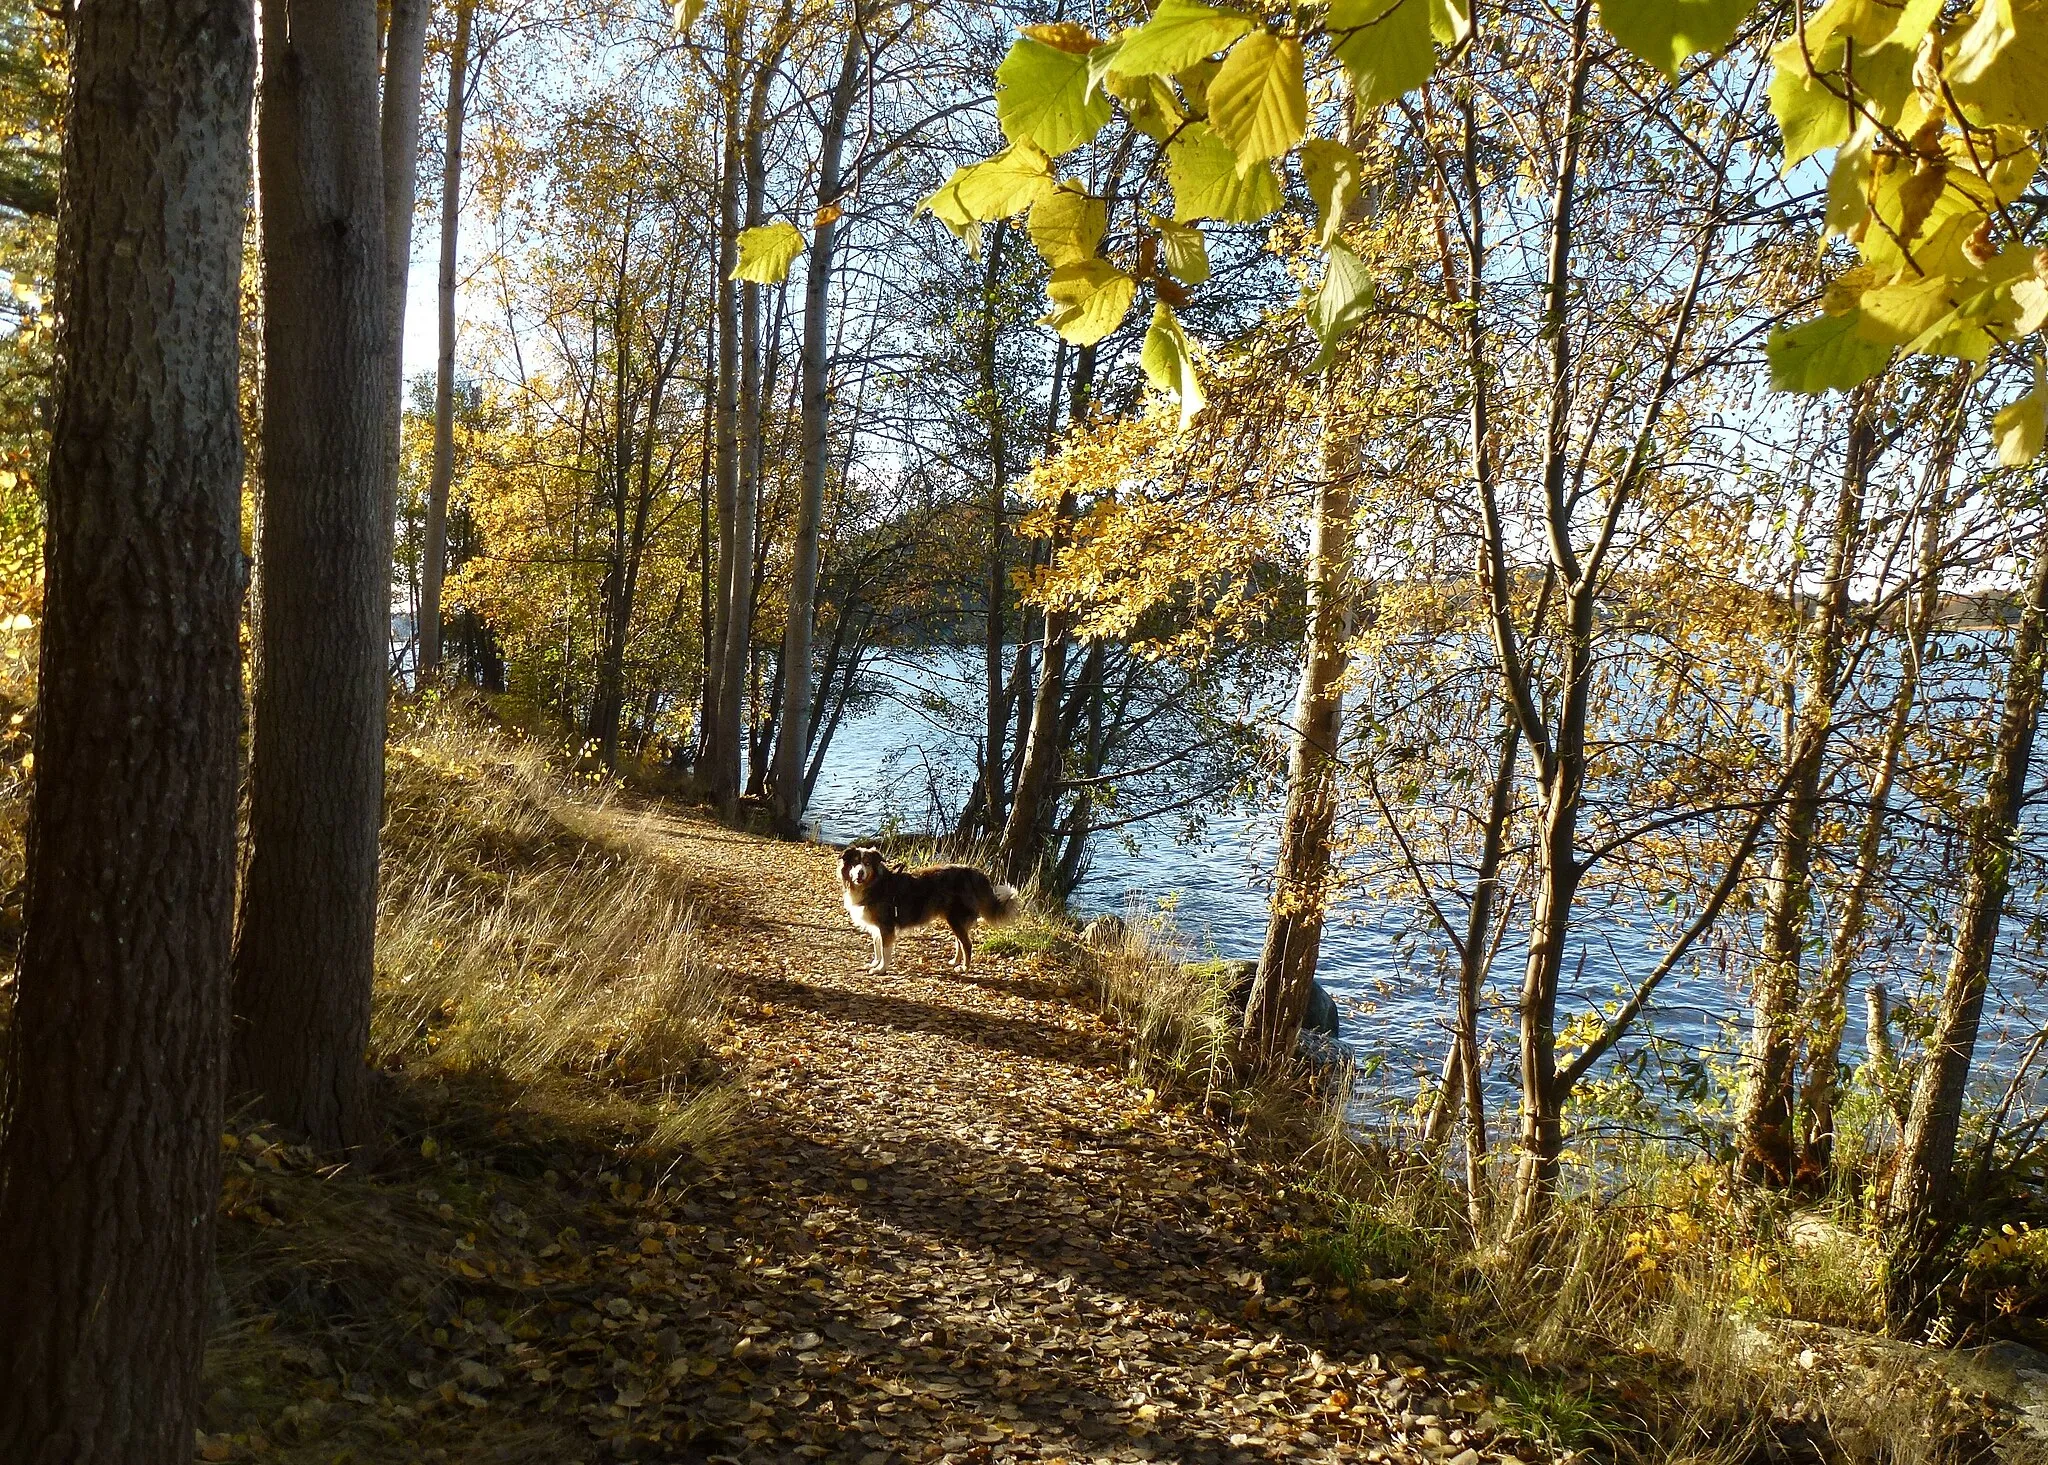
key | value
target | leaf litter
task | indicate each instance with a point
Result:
(945, 1227)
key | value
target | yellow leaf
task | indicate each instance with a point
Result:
(2000, 67)
(1170, 364)
(2018, 429)
(1331, 170)
(1063, 35)
(1067, 225)
(996, 188)
(767, 253)
(1257, 101)
(1182, 251)
(1090, 299)
(1180, 34)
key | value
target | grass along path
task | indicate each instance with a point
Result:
(929, 1217)
(957, 1231)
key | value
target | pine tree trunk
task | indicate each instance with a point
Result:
(111, 1112)
(1764, 1141)
(791, 747)
(305, 951)
(1921, 1200)
(1301, 883)
(434, 548)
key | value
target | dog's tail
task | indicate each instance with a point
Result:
(1002, 903)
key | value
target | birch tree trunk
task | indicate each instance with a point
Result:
(111, 1111)
(304, 954)
(434, 546)
(1920, 1203)
(1764, 1141)
(1301, 883)
(1828, 1013)
(791, 747)
(1463, 1088)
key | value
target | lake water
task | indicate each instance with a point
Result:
(896, 761)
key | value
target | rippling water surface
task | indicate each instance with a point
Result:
(890, 763)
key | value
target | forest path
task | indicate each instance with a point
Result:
(955, 1231)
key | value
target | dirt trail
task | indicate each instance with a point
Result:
(953, 1230)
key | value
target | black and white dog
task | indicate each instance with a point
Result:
(883, 900)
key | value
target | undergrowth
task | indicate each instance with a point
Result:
(544, 1025)
(523, 939)
(1651, 1317)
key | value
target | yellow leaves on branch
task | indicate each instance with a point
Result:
(1931, 130)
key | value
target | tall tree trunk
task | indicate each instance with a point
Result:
(726, 748)
(405, 59)
(434, 548)
(1829, 1009)
(711, 756)
(998, 713)
(1764, 1142)
(1921, 1193)
(803, 586)
(304, 954)
(1022, 847)
(111, 1110)
(1301, 883)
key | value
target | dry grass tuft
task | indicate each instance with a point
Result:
(1176, 1011)
(521, 941)
(544, 1019)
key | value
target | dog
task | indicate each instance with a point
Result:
(884, 900)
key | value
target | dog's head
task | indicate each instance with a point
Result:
(860, 865)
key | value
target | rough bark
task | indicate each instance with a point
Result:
(111, 1111)
(1764, 1140)
(1301, 882)
(1921, 1199)
(434, 546)
(304, 954)
(816, 408)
